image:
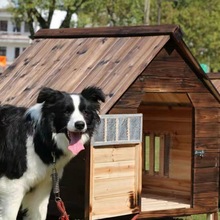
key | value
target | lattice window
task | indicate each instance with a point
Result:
(156, 153)
(118, 129)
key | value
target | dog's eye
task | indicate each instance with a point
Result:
(85, 113)
(68, 110)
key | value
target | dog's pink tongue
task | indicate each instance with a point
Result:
(76, 144)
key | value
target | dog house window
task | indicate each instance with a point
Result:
(156, 153)
(118, 129)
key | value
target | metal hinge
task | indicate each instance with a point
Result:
(199, 153)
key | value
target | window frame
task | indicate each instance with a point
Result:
(156, 153)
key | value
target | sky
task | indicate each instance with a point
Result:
(3, 3)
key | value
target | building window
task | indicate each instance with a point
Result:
(3, 25)
(2, 51)
(17, 52)
(156, 153)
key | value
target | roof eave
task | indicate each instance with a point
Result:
(122, 31)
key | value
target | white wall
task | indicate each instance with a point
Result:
(11, 39)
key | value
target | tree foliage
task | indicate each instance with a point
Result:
(198, 19)
(42, 11)
(111, 13)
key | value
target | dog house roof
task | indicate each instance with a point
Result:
(71, 59)
(215, 79)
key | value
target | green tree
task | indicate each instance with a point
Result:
(111, 13)
(199, 21)
(42, 11)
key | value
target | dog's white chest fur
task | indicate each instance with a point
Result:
(37, 170)
(36, 183)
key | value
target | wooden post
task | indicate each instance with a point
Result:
(162, 155)
(152, 154)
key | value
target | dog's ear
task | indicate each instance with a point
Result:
(48, 95)
(34, 113)
(93, 94)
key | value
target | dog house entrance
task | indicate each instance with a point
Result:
(142, 162)
(167, 151)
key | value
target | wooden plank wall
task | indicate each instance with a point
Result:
(168, 73)
(115, 180)
(207, 136)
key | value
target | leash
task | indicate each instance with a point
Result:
(56, 191)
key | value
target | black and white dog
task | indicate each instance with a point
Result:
(59, 124)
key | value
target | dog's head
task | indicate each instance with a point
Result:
(72, 115)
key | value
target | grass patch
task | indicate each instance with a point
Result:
(195, 217)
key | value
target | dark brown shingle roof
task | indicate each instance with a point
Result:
(71, 59)
(111, 63)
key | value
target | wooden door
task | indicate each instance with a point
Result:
(115, 169)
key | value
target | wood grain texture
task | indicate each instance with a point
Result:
(210, 159)
(115, 180)
(143, 30)
(203, 175)
(207, 115)
(87, 61)
(205, 100)
(208, 144)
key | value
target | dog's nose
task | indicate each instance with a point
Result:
(80, 125)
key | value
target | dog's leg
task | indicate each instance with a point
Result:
(11, 195)
(9, 207)
(36, 201)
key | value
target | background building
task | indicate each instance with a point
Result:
(13, 38)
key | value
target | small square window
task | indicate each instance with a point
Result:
(3, 25)
(2, 51)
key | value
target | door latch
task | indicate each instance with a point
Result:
(199, 153)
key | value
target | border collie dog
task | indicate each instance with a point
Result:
(58, 124)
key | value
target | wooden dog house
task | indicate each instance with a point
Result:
(150, 78)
